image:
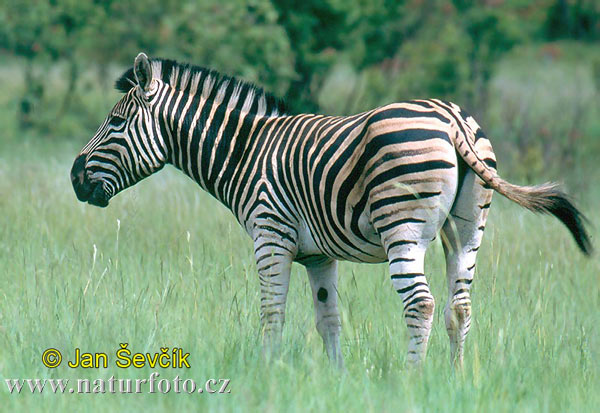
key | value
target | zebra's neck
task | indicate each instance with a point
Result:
(210, 140)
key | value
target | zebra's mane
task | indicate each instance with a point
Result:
(213, 85)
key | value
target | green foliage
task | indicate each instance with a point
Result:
(574, 19)
(237, 37)
(544, 118)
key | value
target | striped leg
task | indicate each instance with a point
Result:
(323, 281)
(273, 262)
(407, 272)
(462, 234)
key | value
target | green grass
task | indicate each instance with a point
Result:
(178, 272)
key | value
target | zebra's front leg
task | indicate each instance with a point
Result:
(273, 262)
(322, 275)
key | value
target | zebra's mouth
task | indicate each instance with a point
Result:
(98, 197)
(93, 193)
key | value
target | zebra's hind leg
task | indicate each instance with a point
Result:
(461, 237)
(407, 261)
(322, 274)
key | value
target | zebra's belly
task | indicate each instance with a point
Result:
(353, 248)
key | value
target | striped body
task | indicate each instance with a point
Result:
(373, 187)
(338, 180)
(334, 183)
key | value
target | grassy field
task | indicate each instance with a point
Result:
(166, 266)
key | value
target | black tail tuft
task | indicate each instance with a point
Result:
(562, 208)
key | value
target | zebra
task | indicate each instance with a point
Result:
(374, 187)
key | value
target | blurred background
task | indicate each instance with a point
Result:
(529, 71)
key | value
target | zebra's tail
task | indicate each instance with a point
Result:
(549, 199)
(546, 198)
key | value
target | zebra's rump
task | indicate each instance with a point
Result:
(390, 170)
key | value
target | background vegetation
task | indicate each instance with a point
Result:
(529, 71)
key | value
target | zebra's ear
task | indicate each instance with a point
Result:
(142, 71)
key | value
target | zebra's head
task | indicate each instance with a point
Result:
(127, 147)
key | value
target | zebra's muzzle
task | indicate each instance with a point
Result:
(85, 190)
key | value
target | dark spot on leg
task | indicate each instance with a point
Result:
(322, 295)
